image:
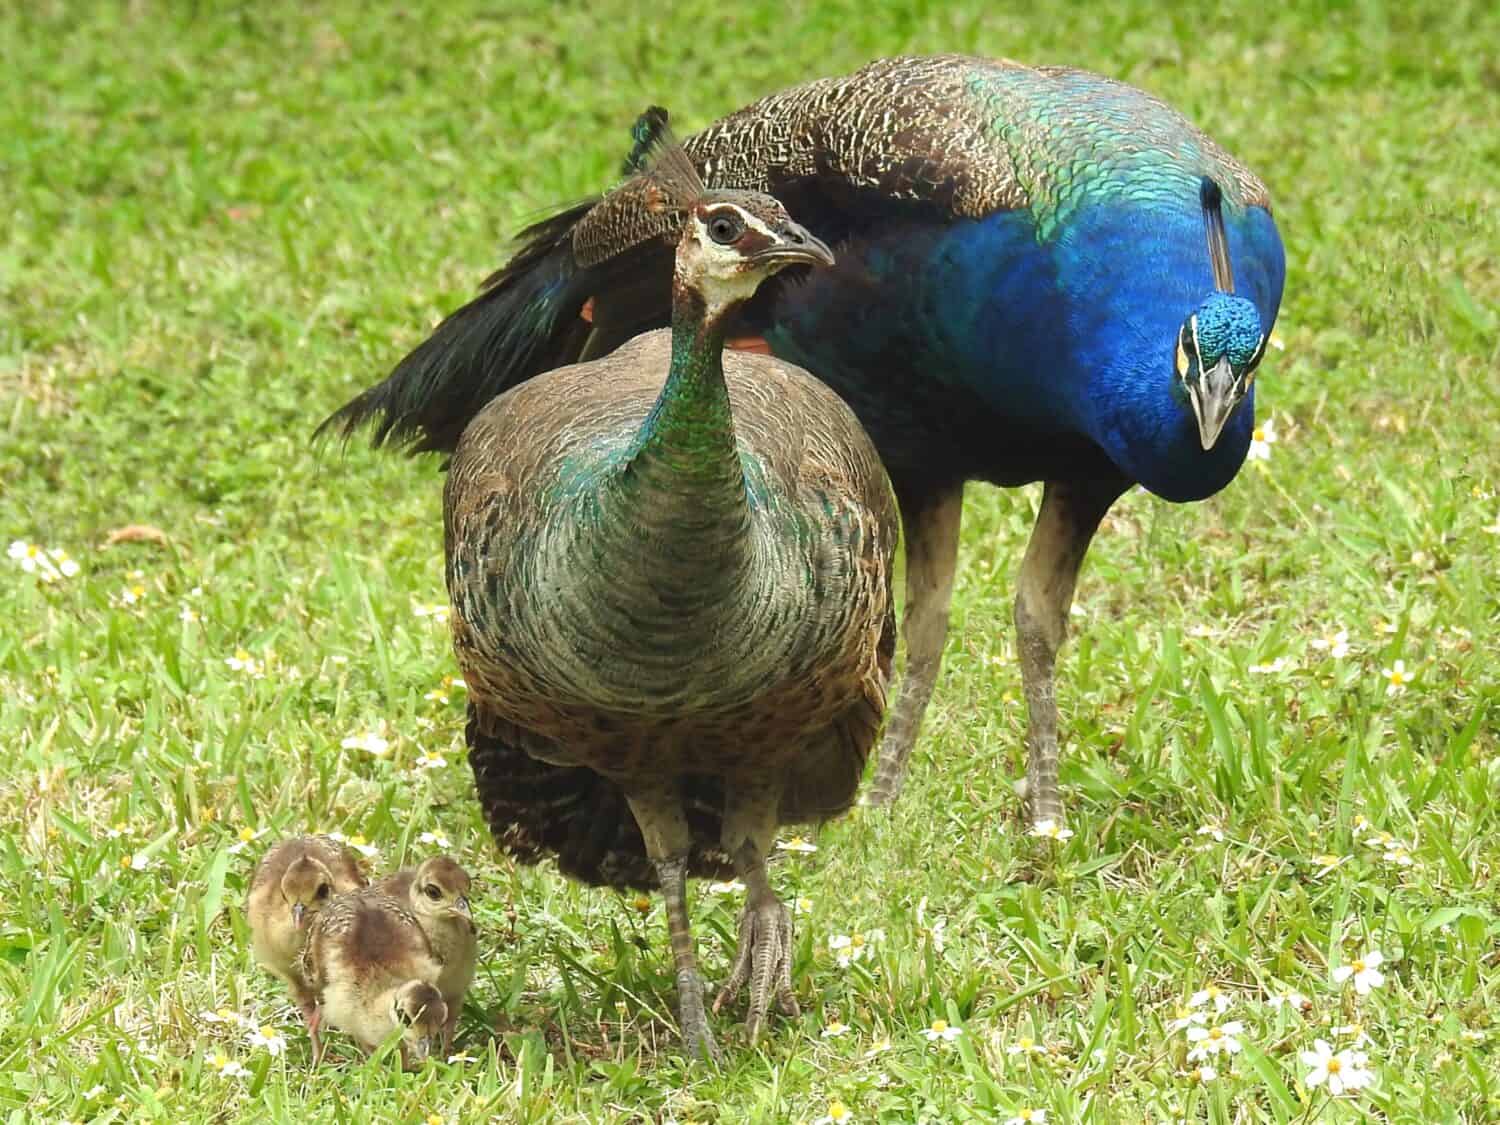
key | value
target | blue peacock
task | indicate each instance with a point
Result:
(1043, 275)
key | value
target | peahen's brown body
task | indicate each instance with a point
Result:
(670, 577)
(652, 638)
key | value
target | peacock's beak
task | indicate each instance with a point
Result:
(1214, 397)
(797, 246)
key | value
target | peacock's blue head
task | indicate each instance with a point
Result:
(1221, 342)
(1218, 348)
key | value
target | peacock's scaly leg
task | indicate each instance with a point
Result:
(931, 530)
(764, 957)
(1065, 525)
(668, 842)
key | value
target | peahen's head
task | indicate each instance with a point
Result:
(734, 240)
(1221, 343)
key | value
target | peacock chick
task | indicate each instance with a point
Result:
(292, 883)
(374, 971)
(670, 577)
(437, 893)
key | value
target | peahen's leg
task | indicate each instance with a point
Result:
(668, 842)
(1065, 525)
(931, 526)
(764, 957)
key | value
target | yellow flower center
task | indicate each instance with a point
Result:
(124, 861)
(1258, 434)
(357, 840)
(857, 940)
(434, 1119)
(1359, 966)
(221, 1060)
(1027, 1115)
(939, 1026)
(1334, 1066)
(247, 834)
(268, 1032)
(837, 1111)
(1216, 1033)
(1026, 1044)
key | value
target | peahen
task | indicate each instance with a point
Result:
(670, 577)
(1023, 292)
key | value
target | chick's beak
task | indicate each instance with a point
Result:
(461, 904)
(797, 246)
(1214, 399)
(418, 1049)
(299, 915)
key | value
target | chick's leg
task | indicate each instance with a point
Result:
(668, 843)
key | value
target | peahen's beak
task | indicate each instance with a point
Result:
(796, 246)
(1214, 398)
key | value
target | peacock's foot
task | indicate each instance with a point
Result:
(697, 1040)
(764, 959)
(1041, 806)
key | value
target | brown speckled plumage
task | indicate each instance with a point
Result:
(362, 951)
(437, 893)
(275, 938)
(781, 681)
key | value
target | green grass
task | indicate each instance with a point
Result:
(219, 226)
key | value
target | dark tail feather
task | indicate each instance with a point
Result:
(524, 322)
(536, 810)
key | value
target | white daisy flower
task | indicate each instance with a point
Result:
(1028, 1117)
(834, 1028)
(1261, 439)
(879, 1047)
(244, 838)
(838, 1114)
(369, 742)
(797, 844)
(1222, 1038)
(224, 1065)
(268, 1037)
(1271, 669)
(1336, 645)
(1365, 971)
(357, 842)
(437, 612)
(430, 760)
(436, 839)
(1214, 995)
(1025, 1045)
(940, 1031)
(1050, 830)
(1289, 997)
(242, 661)
(1212, 830)
(733, 887)
(1397, 678)
(1340, 1072)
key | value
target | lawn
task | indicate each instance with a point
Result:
(220, 221)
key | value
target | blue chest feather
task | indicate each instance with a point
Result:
(1072, 335)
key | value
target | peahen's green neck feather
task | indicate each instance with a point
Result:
(684, 464)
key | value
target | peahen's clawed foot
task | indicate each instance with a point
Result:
(764, 959)
(890, 766)
(697, 1039)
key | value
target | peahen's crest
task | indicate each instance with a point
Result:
(652, 203)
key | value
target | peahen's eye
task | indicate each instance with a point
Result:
(725, 228)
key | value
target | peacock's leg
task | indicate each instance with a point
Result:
(931, 529)
(1065, 525)
(668, 842)
(764, 956)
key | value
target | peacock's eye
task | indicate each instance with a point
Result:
(724, 228)
(1182, 359)
(433, 892)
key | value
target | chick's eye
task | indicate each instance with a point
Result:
(724, 229)
(323, 891)
(432, 892)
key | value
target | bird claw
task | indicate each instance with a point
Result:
(764, 960)
(697, 1038)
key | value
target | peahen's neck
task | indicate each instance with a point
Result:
(684, 473)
